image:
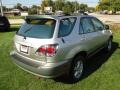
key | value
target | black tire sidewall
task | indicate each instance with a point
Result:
(71, 73)
(107, 49)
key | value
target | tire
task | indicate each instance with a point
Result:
(109, 46)
(77, 69)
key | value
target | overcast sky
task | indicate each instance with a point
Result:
(11, 3)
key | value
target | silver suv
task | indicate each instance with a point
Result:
(50, 46)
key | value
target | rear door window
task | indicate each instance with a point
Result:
(66, 26)
(38, 28)
(87, 25)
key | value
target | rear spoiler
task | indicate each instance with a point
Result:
(41, 16)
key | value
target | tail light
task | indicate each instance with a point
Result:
(48, 50)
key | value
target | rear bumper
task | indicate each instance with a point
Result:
(42, 69)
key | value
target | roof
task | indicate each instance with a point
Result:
(53, 16)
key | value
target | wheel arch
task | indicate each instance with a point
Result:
(81, 53)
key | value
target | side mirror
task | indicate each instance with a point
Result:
(107, 27)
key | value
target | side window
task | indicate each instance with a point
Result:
(87, 25)
(66, 26)
(97, 24)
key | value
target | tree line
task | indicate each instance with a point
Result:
(64, 5)
(31, 10)
(110, 5)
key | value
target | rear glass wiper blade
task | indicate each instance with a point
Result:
(28, 29)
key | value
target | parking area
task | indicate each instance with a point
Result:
(109, 19)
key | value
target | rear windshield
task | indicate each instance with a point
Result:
(38, 28)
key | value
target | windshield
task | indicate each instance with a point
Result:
(37, 28)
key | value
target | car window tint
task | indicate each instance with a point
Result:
(87, 25)
(97, 24)
(38, 28)
(66, 26)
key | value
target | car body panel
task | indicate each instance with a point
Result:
(39, 68)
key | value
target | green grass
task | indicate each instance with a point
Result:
(103, 71)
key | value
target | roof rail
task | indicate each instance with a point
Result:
(73, 14)
(80, 13)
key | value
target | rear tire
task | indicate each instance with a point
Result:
(77, 69)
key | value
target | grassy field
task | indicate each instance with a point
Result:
(103, 70)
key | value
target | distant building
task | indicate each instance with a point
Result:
(48, 9)
(15, 11)
(59, 12)
(24, 13)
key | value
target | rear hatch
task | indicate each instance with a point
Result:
(33, 34)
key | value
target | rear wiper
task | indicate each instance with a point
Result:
(28, 29)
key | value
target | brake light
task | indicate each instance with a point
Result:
(47, 50)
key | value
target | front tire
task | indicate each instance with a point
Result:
(109, 46)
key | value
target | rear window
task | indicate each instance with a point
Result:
(38, 28)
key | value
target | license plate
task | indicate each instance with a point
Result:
(24, 48)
